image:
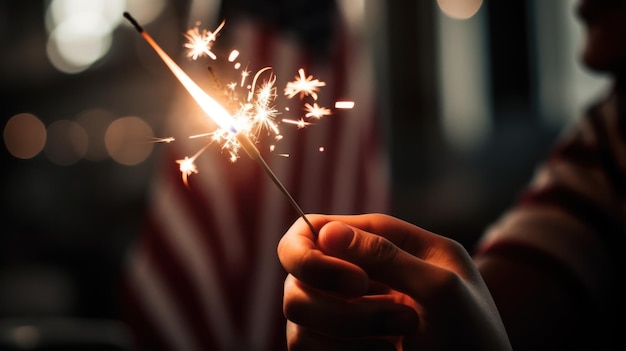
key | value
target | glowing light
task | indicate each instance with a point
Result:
(303, 85)
(316, 111)
(163, 140)
(128, 140)
(257, 112)
(67, 142)
(78, 42)
(200, 42)
(80, 31)
(95, 123)
(24, 135)
(233, 55)
(344, 104)
(301, 123)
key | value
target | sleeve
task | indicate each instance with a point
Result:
(570, 214)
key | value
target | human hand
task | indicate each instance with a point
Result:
(374, 282)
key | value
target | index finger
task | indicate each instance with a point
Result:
(300, 256)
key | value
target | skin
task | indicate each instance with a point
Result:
(347, 289)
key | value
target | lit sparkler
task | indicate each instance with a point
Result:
(236, 136)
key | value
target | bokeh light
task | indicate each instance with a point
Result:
(67, 142)
(128, 140)
(60, 11)
(95, 122)
(24, 135)
(78, 42)
(459, 9)
(80, 31)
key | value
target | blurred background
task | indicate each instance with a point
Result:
(472, 93)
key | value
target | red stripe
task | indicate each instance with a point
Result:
(235, 287)
(176, 277)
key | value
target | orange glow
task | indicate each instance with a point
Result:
(211, 107)
(67, 142)
(24, 135)
(128, 140)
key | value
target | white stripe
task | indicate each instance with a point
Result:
(158, 303)
(183, 236)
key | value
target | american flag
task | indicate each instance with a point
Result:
(204, 274)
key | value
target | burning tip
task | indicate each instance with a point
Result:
(133, 22)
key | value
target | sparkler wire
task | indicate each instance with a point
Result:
(251, 150)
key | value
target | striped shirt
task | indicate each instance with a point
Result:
(573, 210)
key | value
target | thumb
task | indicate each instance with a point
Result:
(350, 243)
(380, 259)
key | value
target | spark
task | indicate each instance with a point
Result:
(244, 74)
(241, 128)
(200, 43)
(188, 166)
(303, 85)
(344, 104)
(301, 123)
(316, 111)
(233, 55)
(163, 140)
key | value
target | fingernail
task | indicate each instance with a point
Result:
(338, 236)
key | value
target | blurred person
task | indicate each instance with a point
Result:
(545, 276)
(203, 274)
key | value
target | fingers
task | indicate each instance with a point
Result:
(382, 260)
(346, 255)
(329, 314)
(300, 256)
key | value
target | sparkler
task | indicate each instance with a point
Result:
(219, 114)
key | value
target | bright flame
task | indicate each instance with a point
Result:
(211, 107)
(303, 85)
(248, 115)
(201, 42)
(316, 111)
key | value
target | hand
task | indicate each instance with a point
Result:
(374, 282)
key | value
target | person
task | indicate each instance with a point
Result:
(545, 276)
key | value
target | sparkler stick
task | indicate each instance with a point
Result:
(219, 114)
